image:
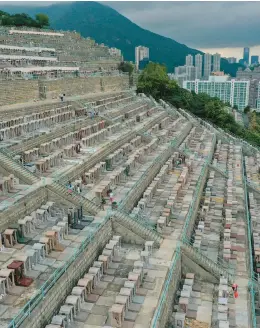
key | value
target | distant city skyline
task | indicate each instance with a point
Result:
(232, 52)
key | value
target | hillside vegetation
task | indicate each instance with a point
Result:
(40, 21)
(254, 122)
(106, 25)
(154, 81)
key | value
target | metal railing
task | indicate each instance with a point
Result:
(217, 263)
(158, 159)
(28, 308)
(248, 221)
(253, 283)
(197, 190)
(33, 177)
(34, 301)
(194, 200)
(163, 296)
(229, 135)
(184, 240)
(251, 304)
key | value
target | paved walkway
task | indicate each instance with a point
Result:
(14, 107)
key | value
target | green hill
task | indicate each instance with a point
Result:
(107, 26)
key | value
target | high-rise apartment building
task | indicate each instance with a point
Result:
(254, 60)
(178, 78)
(246, 55)
(258, 97)
(198, 65)
(180, 70)
(244, 74)
(234, 92)
(140, 54)
(207, 65)
(189, 60)
(191, 72)
(184, 73)
(254, 77)
(253, 93)
(231, 60)
(216, 62)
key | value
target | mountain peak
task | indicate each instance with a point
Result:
(106, 25)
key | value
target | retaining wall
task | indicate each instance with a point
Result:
(81, 86)
(24, 207)
(167, 307)
(50, 305)
(22, 91)
(18, 91)
(190, 266)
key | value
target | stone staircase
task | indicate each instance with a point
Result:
(217, 169)
(17, 169)
(133, 224)
(77, 170)
(153, 170)
(253, 187)
(223, 135)
(216, 269)
(137, 226)
(138, 189)
(74, 198)
(250, 185)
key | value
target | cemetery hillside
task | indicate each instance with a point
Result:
(125, 200)
(154, 81)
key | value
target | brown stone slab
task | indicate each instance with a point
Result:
(128, 324)
(190, 276)
(98, 291)
(130, 316)
(134, 307)
(141, 291)
(191, 314)
(100, 309)
(92, 298)
(107, 278)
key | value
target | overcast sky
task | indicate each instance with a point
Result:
(223, 26)
(226, 27)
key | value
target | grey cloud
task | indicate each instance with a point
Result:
(28, 3)
(197, 24)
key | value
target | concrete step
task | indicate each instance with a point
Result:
(216, 269)
(17, 169)
(217, 169)
(253, 187)
(138, 227)
(74, 198)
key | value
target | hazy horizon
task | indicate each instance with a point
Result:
(227, 26)
(232, 52)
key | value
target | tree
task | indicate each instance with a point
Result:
(154, 81)
(235, 107)
(247, 109)
(20, 20)
(42, 19)
(126, 67)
